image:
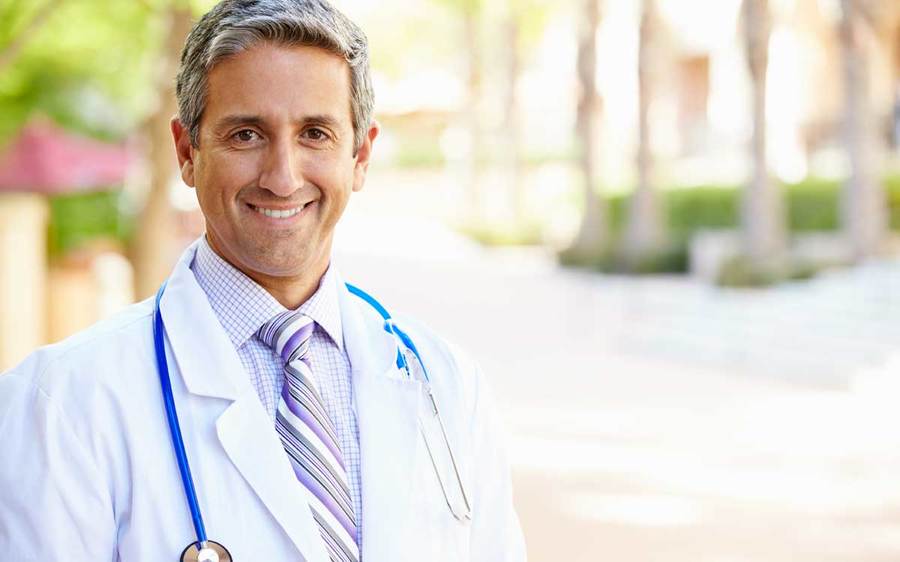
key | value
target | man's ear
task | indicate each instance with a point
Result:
(184, 151)
(363, 154)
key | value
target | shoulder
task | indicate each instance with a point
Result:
(82, 360)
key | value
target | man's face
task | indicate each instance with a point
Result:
(275, 164)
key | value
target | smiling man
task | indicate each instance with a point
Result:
(274, 160)
(259, 408)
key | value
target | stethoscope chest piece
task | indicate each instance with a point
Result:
(212, 552)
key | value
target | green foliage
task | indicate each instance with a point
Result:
(812, 206)
(463, 6)
(414, 152)
(892, 187)
(610, 259)
(673, 258)
(742, 272)
(88, 67)
(15, 16)
(531, 16)
(590, 259)
(528, 234)
(78, 218)
(688, 209)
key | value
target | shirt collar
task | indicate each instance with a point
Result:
(323, 307)
(243, 306)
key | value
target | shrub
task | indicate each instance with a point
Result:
(78, 218)
(810, 206)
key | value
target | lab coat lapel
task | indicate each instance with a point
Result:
(387, 403)
(205, 357)
(211, 369)
(246, 432)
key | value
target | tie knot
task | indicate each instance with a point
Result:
(288, 335)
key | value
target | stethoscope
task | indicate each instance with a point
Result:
(205, 550)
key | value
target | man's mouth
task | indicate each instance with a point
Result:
(278, 213)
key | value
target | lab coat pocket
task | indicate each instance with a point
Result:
(444, 459)
(441, 489)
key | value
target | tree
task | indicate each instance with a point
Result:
(591, 240)
(511, 134)
(470, 12)
(19, 26)
(53, 68)
(644, 235)
(762, 214)
(863, 203)
(153, 245)
(110, 58)
(522, 23)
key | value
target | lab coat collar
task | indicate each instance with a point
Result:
(387, 404)
(206, 358)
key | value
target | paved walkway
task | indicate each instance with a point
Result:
(662, 420)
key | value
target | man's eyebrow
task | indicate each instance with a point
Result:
(233, 120)
(321, 119)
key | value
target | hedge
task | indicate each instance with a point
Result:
(811, 206)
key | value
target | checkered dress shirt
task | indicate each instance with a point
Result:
(242, 307)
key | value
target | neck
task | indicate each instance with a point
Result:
(289, 290)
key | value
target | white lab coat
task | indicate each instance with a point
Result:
(87, 471)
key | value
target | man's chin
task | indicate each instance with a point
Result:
(283, 262)
(270, 268)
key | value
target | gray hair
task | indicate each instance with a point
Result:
(233, 26)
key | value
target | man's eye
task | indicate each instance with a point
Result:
(245, 135)
(316, 134)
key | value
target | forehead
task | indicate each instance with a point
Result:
(280, 83)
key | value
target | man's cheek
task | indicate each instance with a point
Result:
(239, 170)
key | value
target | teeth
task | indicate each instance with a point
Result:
(276, 214)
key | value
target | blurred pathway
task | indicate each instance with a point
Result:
(658, 419)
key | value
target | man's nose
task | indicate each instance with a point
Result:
(280, 172)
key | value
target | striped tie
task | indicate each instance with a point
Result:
(309, 438)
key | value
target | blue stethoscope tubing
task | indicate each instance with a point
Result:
(175, 428)
(172, 417)
(392, 329)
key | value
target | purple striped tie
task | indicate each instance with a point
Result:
(308, 436)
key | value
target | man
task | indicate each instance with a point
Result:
(310, 433)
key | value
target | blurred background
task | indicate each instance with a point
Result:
(695, 201)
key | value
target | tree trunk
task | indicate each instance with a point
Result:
(863, 204)
(645, 231)
(154, 246)
(473, 123)
(511, 126)
(591, 239)
(762, 212)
